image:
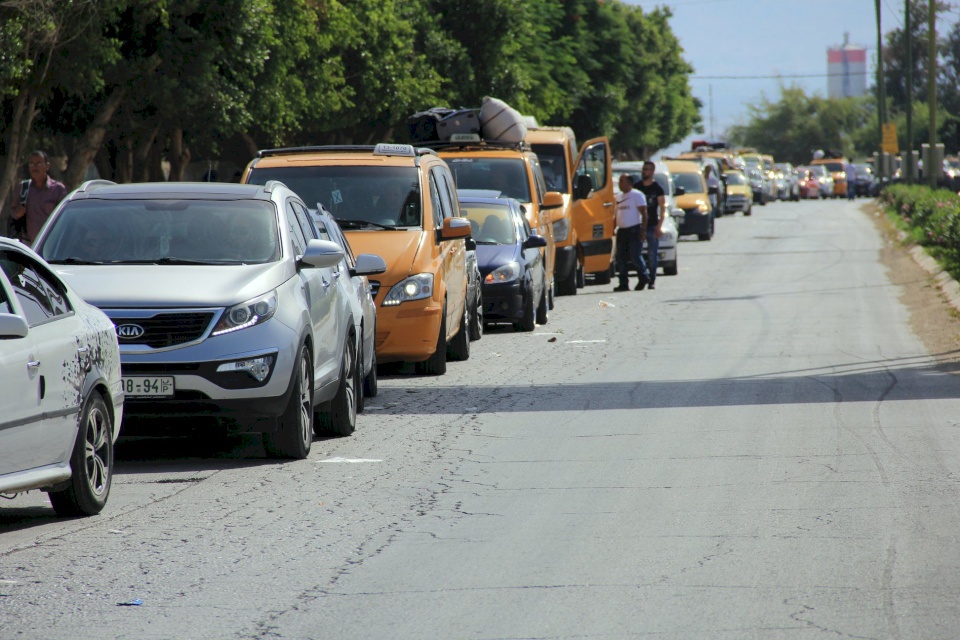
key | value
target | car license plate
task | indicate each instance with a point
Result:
(148, 387)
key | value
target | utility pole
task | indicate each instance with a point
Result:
(932, 87)
(908, 31)
(881, 91)
(712, 137)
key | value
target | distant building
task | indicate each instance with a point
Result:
(847, 70)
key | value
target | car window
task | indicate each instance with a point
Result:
(5, 306)
(41, 296)
(296, 233)
(303, 217)
(336, 235)
(446, 197)
(593, 163)
(538, 180)
(506, 175)
(493, 223)
(384, 195)
(451, 193)
(553, 165)
(691, 182)
(163, 231)
(435, 201)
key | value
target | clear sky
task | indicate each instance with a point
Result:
(770, 38)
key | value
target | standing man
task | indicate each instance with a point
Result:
(656, 203)
(631, 223)
(851, 172)
(38, 196)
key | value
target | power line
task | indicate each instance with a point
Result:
(781, 75)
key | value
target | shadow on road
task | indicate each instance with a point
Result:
(887, 380)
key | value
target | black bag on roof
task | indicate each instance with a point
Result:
(461, 121)
(422, 126)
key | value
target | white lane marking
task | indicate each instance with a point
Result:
(350, 460)
(584, 341)
(9, 582)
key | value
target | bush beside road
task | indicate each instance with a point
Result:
(930, 218)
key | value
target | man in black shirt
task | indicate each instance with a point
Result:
(656, 202)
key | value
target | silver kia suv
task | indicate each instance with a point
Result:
(226, 304)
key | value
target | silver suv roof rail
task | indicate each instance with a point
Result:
(89, 184)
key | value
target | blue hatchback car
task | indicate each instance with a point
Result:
(510, 258)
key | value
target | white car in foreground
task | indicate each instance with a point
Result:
(61, 398)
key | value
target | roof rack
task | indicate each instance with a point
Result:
(474, 144)
(86, 186)
(332, 148)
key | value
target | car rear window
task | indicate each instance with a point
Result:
(163, 232)
(384, 195)
(506, 175)
(492, 224)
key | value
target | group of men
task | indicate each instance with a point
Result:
(637, 219)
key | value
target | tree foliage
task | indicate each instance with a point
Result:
(154, 89)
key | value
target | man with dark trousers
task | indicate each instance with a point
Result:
(656, 202)
(631, 223)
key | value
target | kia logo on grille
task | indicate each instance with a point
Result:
(129, 331)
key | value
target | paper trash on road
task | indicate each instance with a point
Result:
(604, 304)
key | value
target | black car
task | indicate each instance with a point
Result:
(510, 259)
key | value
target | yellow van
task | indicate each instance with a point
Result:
(398, 202)
(583, 227)
(837, 168)
(514, 171)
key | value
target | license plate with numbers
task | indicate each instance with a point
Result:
(148, 386)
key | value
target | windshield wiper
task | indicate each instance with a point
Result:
(73, 260)
(172, 260)
(359, 224)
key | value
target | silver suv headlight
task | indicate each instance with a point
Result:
(416, 287)
(247, 314)
(507, 273)
(561, 229)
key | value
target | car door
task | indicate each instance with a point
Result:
(320, 292)
(593, 210)
(46, 373)
(455, 252)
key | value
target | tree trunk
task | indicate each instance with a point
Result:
(179, 156)
(87, 147)
(141, 156)
(24, 111)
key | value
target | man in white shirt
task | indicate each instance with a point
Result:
(851, 172)
(631, 221)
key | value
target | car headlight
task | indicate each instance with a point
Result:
(247, 314)
(561, 229)
(703, 207)
(416, 287)
(507, 273)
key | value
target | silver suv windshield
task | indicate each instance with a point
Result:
(163, 232)
(380, 196)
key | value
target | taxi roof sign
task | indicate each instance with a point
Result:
(386, 149)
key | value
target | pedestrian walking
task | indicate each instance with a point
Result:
(631, 222)
(38, 196)
(851, 172)
(656, 204)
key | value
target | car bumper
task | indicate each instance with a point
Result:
(201, 388)
(408, 332)
(695, 222)
(738, 203)
(503, 301)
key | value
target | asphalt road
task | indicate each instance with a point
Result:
(760, 448)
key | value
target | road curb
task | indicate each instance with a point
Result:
(946, 283)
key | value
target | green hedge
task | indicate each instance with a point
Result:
(933, 219)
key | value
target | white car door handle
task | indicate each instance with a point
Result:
(82, 350)
(33, 365)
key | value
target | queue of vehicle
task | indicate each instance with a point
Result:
(266, 307)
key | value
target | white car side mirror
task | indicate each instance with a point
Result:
(12, 326)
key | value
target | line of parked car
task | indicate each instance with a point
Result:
(266, 307)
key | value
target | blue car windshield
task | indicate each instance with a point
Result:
(492, 223)
(163, 232)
